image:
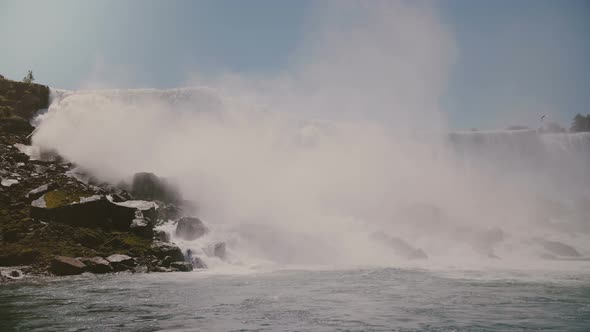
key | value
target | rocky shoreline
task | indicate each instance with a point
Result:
(55, 220)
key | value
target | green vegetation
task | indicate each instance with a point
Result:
(59, 198)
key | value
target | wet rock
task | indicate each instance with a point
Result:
(219, 250)
(198, 263)
(190, 228)
(121, 262)
(181, 266)
(147, 209)
(162, 236)
(40, 191)
(92, 211)
(168, 212)
(148, 186)
(97, 264)
(163, 249)
(62, 266)
(21, 258)
(167, 261)
(159, 269)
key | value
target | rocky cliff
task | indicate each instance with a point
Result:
(55, 221)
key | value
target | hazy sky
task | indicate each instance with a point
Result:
(515, 59)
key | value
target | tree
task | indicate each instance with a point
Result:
(580, 123)
(29, 78)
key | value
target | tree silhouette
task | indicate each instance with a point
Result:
(29, 78)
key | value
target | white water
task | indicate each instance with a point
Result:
(280, 190)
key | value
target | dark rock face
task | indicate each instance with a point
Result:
(63, 266)
(121, 262)
(181, 266)
(148, 186)
(163, 249)
(95, 211)
(97, 265)
(190, 228)
(21, 258)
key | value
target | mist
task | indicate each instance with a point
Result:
(344, 158)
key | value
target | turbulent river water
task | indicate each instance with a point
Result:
(359, 299)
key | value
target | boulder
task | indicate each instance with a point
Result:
(181, 266)
(163, 249)
(219, 250)
(148, 186)
(121, 262)
(166, 261)
(190, 228)
(97, 264)
(92, 211)
(62, 266)
(40, 191)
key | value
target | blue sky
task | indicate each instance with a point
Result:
(515, 60)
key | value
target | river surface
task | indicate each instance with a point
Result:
(359, 299)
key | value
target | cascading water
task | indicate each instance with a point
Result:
(280, 189)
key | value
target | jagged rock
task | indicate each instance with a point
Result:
(190, 228)
(162, 236)
(21, 258)
(166, 261)
(163, 249)
(121, 262)
(97, 264)
(62, 266)
(148, 186)
(219, 250)
(40, 191)
(181, 266)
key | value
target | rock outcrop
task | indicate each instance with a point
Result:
(51, 212)
(189, 229)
